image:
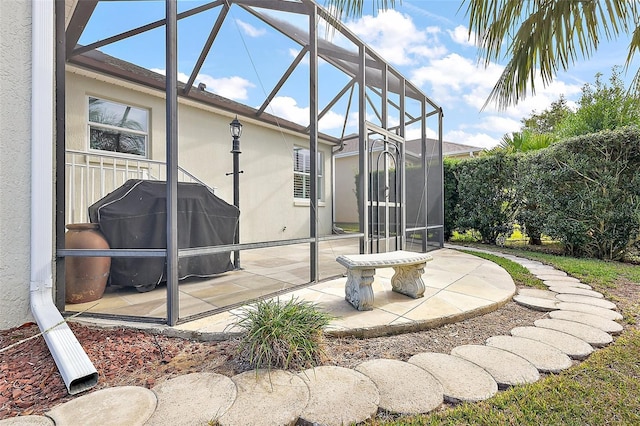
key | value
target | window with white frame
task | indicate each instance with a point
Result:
(302, 174)
(118, 127)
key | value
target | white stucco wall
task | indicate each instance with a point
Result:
(15, 139)
(268, 210)
(346, 169)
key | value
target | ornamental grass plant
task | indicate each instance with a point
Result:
(286, 335)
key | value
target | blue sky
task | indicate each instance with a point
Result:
(426, 40)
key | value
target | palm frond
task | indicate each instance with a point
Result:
(544, 36)
(343, 9)
(634, 46)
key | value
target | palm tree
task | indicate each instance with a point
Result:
(545, 34)
(523, 141)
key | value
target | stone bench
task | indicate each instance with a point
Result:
(361, 268)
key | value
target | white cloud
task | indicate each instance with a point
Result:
(353, 122)
(250, 30)
(544, 97)
(235, 88)
(460, 35)
(288, 108)
(453, 78)
(481, 140)
(395, 37)
(415, 133)
(455, 82)
(331, 120)
(428, 51)
(497, 124)
(305, 61)
(181, 76)
(457, 73)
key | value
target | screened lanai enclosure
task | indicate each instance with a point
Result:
(199, 130)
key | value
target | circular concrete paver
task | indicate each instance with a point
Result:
(539, 267)
(603, 324)
(590, 309)
(552, 274)
(120, 405)
(27, 421)
(530, 261)
(534, 263)
(535, 266)
(536, 303)
(576, 298)
(339, 396)
(544, 357)
(551, 277)
(536, 292)
(558, 283)
(591, 335)
(572, 346)
(462, 381)
(506, 368)
(575, 290)
(264, 397)
(404, 388)
(193, 399)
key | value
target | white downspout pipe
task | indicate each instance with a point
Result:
(74, 365)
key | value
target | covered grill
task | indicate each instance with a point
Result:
(134, 217)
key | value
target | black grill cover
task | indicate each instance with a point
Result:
(134, 217)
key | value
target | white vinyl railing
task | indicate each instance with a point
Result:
(90, 176)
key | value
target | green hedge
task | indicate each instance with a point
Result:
(486, 195)
(529, 186)
(450, 196)
(588, 192)
(584, 192)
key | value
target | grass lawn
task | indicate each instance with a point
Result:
(602, 390)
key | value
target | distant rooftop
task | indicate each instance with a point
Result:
(449, 149)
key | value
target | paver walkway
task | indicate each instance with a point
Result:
(336, 396)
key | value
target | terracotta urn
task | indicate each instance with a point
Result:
(85, 277)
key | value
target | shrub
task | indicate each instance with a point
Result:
(486, 195)
(450, 197)
(282, 335)
(528, 186)
(588, 190)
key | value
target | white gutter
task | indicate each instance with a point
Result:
(76, 368)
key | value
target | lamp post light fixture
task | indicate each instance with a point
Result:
(235, 127)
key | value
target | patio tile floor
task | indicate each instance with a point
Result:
(458, 285)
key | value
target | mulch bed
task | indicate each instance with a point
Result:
(31, 384)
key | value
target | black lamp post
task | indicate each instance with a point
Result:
(236, 130)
